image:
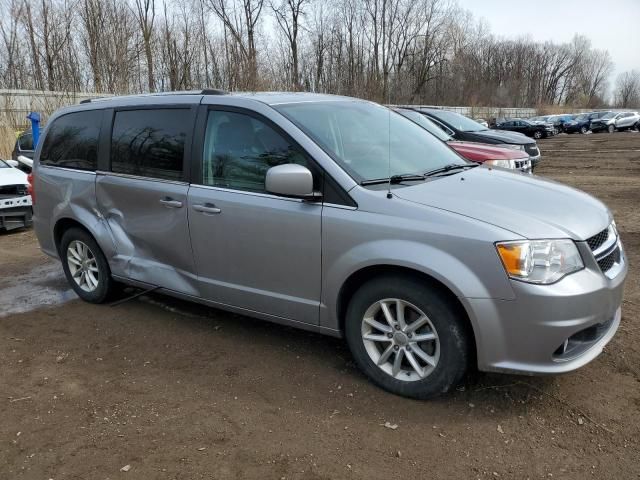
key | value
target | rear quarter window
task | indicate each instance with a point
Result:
(72, 141)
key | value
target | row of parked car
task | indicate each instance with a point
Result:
(548, 125)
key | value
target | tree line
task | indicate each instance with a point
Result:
(392, 51)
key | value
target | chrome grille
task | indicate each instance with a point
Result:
(598, 239)
(606, 248)
(608, 261)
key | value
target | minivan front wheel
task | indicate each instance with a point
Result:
(406, 338)
(85, 266)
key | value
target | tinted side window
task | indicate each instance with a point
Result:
(239, 149)
(72, 141)
(25, 141)
(150, 143)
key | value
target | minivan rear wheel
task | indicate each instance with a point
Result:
(85, 266)
(406, 337)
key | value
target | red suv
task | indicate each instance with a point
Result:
(505, 156)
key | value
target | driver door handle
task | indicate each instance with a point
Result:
(206, 208)
(171, 203)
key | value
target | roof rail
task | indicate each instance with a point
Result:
(213, 91)
(86, 100)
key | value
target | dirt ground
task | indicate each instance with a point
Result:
(178, 391)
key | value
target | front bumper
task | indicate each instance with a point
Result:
(549, 329)
(17, 217)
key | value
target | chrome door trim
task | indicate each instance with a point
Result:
(140, 177)
(254, 194)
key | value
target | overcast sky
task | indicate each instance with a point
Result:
(612, 25)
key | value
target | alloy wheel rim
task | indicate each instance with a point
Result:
(83, 266)
(400, 339)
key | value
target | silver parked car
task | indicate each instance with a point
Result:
(335, 215)
(613, 121)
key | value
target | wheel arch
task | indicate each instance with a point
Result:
(361, 276)
(64, 223)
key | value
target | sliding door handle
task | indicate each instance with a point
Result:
(207, 208)
(171, 203)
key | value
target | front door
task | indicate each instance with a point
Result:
(252, 249)
(143, 197)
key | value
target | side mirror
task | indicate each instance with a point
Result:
(291, 180)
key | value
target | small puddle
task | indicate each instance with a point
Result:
(44, 285)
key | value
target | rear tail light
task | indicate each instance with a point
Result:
(30, 188)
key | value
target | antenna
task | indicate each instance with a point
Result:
(389, 195)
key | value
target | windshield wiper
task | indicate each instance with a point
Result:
(395, 179)
(450, 168)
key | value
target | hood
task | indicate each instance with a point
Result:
(499, 136)
(12, 176)
(481, 152)
(528, 206)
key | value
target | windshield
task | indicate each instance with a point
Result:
(425, 123)
(457, 121)
(608, 116)
(539, 119)
(368, 140)
(582, 118)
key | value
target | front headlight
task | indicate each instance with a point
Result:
(501, 163)
(513, 147)
(539, 261)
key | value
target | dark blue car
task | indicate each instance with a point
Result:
(582, 123)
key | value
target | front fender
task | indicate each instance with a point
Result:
(485, 280)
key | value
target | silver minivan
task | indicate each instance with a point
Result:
(335, 215)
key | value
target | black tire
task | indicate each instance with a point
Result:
(583, 129)
(450, 327)
(611, 128)
(106, 285)
(537, 134)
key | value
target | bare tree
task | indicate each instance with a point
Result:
(240, 19)
(288, 14)
(146, 14)
(627, 91)
(399, 51)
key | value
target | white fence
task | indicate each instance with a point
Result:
(15, 105)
